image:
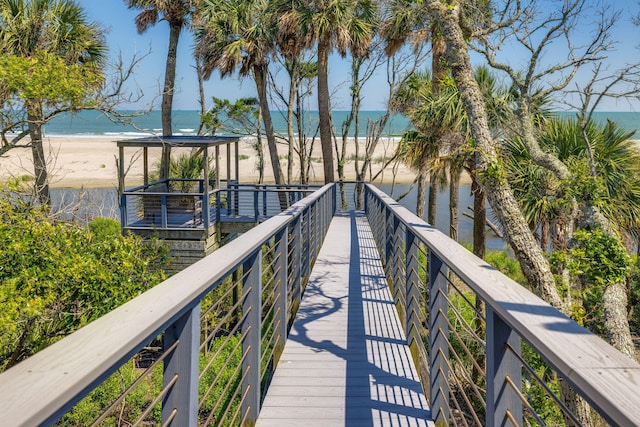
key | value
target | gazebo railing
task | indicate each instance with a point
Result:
(183, 203)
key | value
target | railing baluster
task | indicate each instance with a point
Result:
(395, 265)
(388, 239)
(163, 211)
(251, 308)
(306, 249)
(438, 337)
(502, 363)
(296, 253)
(281, 280)
(264, 200)
(413, 291)
(183, 362)
(256, 207)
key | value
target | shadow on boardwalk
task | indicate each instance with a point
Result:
(346, 361)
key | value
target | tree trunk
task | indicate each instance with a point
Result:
(532, 260)
(577, 405)
(438, 49)
(303, 156)
(616, 320)
(422, 187)
(432, 211)
(39, 158)
(293, 89)
(479, 218)
(167, 96)
(323, 108)
(201, 95)
(544, 235)
(259, 75)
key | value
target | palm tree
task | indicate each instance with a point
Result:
(240, 33)
(417, 149)
(441, 119)
(49, 32)
(177, 14)
(542, 196)
(341, 25)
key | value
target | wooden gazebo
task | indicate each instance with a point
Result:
(182, 211)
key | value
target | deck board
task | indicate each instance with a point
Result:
(346, 362)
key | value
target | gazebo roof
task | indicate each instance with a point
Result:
(177, 141)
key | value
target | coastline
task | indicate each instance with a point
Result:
(90, 161)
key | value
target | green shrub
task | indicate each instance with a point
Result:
(104, 228)
(56, 277)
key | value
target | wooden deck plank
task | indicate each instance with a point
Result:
(346, 361)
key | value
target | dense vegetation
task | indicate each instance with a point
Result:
(56, 276)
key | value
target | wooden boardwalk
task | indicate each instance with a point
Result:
(346, 362)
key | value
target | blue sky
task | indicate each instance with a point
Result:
(123, 37)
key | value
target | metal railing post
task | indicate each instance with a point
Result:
(256, 208)
(236, 199)
(502, 366)
(412, 290)
(180, 404)
(296, 253)
(264, 200)
(334, 194)
(397, 287)
(281, 280)
(438, 338)
(124, 217)
(306, 248)
(218, 207)
(388, 241)
(163, 211)
(251, 309)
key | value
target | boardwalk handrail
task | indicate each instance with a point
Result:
(41, 389)
(607, 379)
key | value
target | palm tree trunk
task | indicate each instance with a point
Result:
(422, 186)
(39, 159)
(260, 77)
(323, 108)
(167, 97)
(433, 199)
(259, 73)
(201, 94)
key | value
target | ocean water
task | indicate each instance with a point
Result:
(186, 123)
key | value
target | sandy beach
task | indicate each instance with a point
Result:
(90, 162)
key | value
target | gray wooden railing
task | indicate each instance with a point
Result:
(226, 315)
(485, 344)
(205, 341)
